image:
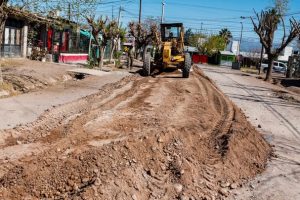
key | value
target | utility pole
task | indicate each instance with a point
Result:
(118, 39)
(119, 17)
(201, 28)
(241, 37)
(163, 12)
(140, 12)
(112, 12)
(69, 11)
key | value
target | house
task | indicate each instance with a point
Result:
(26, 32)
(227, 58)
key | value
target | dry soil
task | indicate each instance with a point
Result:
(140, 138)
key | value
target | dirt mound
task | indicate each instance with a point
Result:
(141, 138)
(22, 75)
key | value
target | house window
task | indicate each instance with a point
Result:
(12, 36)
(6, 36)
(18, 37)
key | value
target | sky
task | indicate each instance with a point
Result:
(211, 15)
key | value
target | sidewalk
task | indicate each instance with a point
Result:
(280, 124)
(28, 107)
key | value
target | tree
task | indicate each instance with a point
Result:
(149, 22)
(188, 34)
(193, 39)
(281, 6)
(213, 45)
(265, 27)
(226, 34)
(144, 37)
(117, 34)
(107, 29)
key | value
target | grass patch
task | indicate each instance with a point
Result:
(249, 70)
(10, 62)
(7, 87)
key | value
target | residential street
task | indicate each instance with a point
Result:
(279, 120)
(138, 138)
(150, 100)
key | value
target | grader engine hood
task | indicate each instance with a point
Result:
(167, 52)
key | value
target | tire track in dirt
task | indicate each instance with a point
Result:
(287, 123)
(141, 138)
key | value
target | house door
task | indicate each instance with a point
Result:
(11, 42)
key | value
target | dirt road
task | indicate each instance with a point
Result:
(279, 118)
(139, 138)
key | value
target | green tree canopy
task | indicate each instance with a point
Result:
(213, 44)
(193, 39)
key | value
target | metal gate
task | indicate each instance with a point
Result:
(11, 44)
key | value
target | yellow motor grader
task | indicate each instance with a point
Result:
(170, 53)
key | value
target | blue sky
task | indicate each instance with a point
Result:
(212, 14)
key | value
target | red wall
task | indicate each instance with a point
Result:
(199, 59)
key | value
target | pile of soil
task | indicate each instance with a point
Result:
(139, 138)
(22, 75)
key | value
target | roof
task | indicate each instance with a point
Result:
(227, 53)
(21, 14)
(190, 49)
(32, 17)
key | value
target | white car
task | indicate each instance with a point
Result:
(277, 67)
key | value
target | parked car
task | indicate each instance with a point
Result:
(277, 67)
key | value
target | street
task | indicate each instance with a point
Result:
(140, 138)
(279, 121)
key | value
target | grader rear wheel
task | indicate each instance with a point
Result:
(147, 65)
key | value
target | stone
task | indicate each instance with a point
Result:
(178, 187)
(225, 184)
(134, 197)
(184, 198)
(233, 186)
(71, 183)
(152, 173)
(85, 180)
(98, 182)
(19, 142)
(224, 192)
(160, 140)
(259, 126)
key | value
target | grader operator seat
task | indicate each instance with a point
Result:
(173, 33)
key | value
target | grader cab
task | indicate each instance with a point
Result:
(171, 52)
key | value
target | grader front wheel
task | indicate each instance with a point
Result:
(187, 66)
